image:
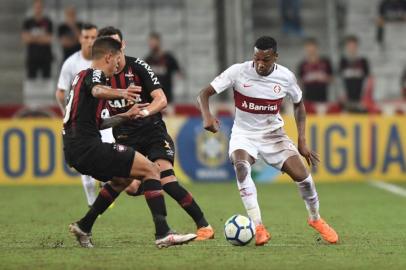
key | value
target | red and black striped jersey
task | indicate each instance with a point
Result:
(139, 73)
(83, 110)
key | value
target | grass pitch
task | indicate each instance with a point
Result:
(371, 224)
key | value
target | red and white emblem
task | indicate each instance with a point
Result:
(120, 147)
(277, 88)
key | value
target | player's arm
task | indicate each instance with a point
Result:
(101, 91)
(210, 122)
(64, 84)
(158, 103)
(123, 117)
(151, 85)
(311, 157)
(221, 83)
(60, 99)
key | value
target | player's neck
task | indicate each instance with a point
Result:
(96, 64)
(85, 55)
(313, 58)
(121, 65)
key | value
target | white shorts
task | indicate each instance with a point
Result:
(107, 135)
(274, 148)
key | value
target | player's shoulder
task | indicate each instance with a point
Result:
(239, 67)
(71, 60)
(135, 61)
(92, 75)
(284, 71)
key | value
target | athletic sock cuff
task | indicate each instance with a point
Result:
(152, 184)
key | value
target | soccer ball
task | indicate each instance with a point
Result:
(239, 230)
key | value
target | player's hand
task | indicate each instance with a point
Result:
(132, 93)
(135, 111)
(211, 124)
(311, 157)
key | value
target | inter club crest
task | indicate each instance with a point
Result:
(277, 88)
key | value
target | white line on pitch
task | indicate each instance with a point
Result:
(389, 187)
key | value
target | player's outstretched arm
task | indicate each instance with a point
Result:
(210, 123)
(311, 157)
(106, 92)
(123, 117)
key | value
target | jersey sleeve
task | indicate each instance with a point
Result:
(226, 79)
(65, 77)
(293, 89)
(148, 78)
(93, 78)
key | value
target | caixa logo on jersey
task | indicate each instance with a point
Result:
(203, 156)
(121, 103)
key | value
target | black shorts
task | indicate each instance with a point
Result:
(102, 161)
(153, 143)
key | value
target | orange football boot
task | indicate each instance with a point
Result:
(205, 233)
(262, 236)
(328, 233)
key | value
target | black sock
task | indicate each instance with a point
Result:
(185, 199)
(156, 203)
(106, 197)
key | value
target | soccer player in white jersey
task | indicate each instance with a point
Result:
(259, 88)
(73, 65)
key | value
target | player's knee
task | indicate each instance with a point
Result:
(242, 168)
(152, 171)
(120, 184)
(134, 188)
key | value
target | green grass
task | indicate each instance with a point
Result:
(371, 224)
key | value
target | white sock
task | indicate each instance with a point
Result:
(309, 194)
(89, 185)
(248, 192)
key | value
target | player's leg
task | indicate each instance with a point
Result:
(242, 162)
(184, 199)
(296, 169)
(109, 192)
(141, 168)
(149, 173)
(136, 188)
(89, 186)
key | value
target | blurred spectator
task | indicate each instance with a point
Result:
(403, 83)
(68, 33)
(163, 64)
(78, 61)
(37, 35)
(315, 73)
(389, 11)
(354, 71)
(291, 22)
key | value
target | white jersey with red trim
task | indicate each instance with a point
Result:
(258, 98)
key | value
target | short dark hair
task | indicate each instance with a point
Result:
(155, 35)
(104, 45)
(311, 41)
(87, 26)
(351, 38)
(110, 31)
(266, 43)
